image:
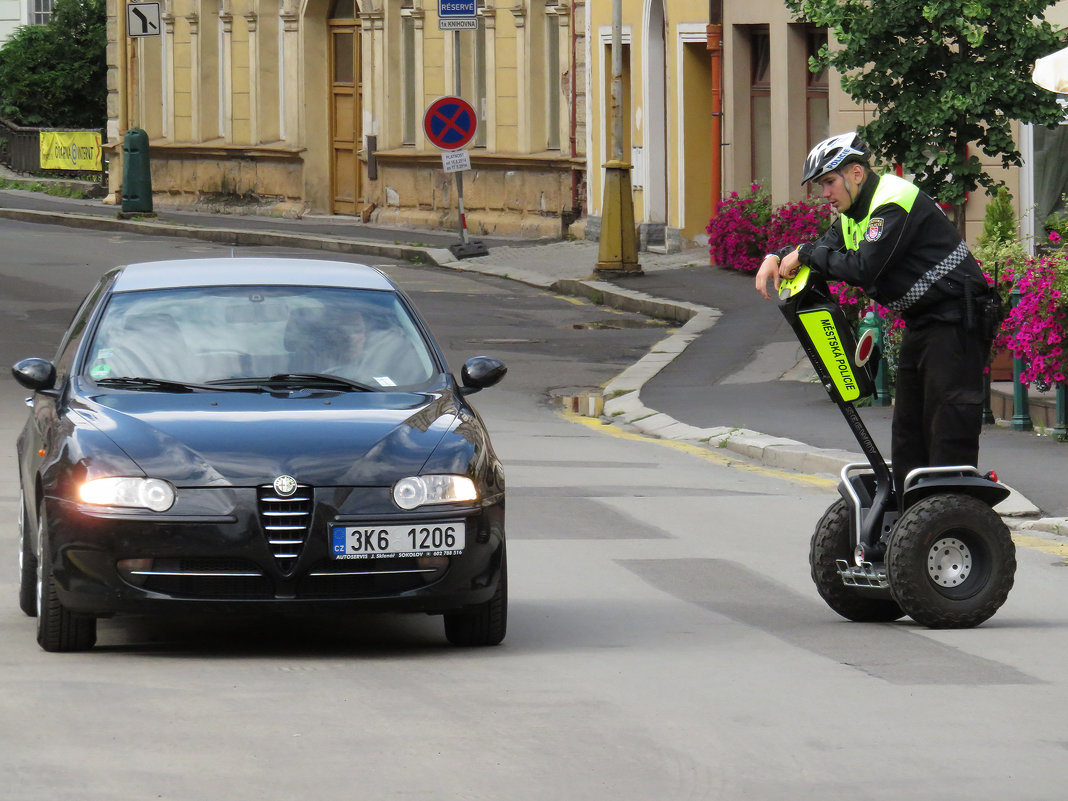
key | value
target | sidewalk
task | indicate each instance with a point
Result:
(730, 377)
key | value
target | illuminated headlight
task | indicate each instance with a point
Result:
(137, 493)
(415, 491)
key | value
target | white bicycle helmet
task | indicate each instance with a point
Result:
(832, 153)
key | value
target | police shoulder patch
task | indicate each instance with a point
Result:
(875, 229)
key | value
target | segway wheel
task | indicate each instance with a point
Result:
(951, 561)
(830, 542)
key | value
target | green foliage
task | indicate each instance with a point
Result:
(55, 75)
(999, 224)
(1057, 222)
(947, 79)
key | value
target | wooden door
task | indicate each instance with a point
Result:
(345, 109)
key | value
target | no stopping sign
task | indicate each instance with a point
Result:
(450, 123)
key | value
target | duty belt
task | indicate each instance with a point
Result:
(930, 278)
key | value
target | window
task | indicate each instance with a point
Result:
(552, 84)
(818, 115)
(760, 104)
(40, 12)
(479, 78)
(409, 110)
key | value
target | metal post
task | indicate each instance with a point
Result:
(1021, 414)
(988, 412)
(618, 253)
(465, 248)
(459, 175)
(1060, 429)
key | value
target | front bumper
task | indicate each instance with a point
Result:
(110, 562)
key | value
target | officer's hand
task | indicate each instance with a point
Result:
(769, 270)
(789, 265)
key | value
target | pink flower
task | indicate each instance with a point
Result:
(1054, 237)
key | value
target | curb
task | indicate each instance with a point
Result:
(223, 236)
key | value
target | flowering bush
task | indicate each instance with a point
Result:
(797, 222)
(1037, 328)
(737, 235)
(747, 226)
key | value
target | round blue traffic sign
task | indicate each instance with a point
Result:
(450, 123)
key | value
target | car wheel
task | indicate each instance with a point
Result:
(27, 565)
(830, 542)
(484, 624)
(951, 561)
(58, 629)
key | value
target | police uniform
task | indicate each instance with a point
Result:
(896, 244)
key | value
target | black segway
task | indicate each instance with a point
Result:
(946, 559)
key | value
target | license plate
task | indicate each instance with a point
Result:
(373, 542)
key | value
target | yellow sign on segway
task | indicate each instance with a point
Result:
(819, 324)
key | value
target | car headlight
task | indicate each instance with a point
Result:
(138, 493)
(415, 491)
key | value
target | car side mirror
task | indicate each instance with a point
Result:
(480, 372)
(36, 374)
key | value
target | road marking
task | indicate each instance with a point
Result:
(1051, 547)
(1047, 546)
(700, 451)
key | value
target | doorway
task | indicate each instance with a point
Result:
(346, 107)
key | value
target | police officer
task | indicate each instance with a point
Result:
(894, 242)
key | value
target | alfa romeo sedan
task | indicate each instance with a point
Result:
(254, 435)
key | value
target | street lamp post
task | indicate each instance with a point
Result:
(618, 253)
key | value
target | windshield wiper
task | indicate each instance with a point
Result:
(144, 382)
(296, 380)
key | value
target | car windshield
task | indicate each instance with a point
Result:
(203, 335)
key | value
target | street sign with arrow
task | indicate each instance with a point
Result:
(142, 19)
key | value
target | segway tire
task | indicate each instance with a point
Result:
(951, 561)
(830, 542)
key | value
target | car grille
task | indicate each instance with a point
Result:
(359, 578)
(239, 580)
(204, 578)
(285, 521)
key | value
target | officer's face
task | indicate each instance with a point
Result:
(841, 187)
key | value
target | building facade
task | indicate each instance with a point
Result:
(295, 106)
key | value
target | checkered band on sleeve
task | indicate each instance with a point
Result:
(930, 278)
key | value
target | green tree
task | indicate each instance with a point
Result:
(946, 79)
(55, 75)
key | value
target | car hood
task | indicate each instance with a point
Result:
(247, 439)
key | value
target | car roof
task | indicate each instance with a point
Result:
(249, 271)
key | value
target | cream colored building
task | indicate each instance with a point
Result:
(773, 110)
(297, 106)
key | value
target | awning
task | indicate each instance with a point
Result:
(1051, 72)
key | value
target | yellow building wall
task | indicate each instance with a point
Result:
(667, 108)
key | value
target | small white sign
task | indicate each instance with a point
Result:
(456, 160)
(457, 24)
(142, 19)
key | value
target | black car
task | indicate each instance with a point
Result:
(256, 435)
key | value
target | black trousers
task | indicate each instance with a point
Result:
(938, 411)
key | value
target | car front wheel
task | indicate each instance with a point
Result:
(27, 565)
(484, 624)
(58, 629)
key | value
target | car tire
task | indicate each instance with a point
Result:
(484, 624)
(951, 561)
(58, 629)
(27, 565)
(831, 542)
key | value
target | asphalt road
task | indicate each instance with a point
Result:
(665, 641)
